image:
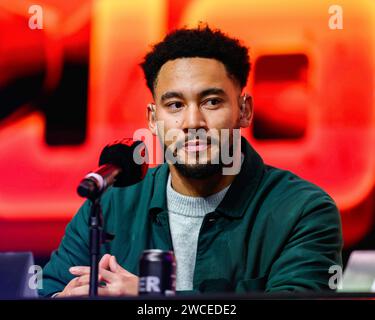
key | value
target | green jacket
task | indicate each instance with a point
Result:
(273, 231)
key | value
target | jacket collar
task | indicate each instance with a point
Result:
(244, 185)
(159, 198)
(237, 198)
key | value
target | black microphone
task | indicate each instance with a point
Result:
(121, 163)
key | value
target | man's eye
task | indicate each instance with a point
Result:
(175, 105)
(214, 102)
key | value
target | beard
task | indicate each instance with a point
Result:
(197, 170)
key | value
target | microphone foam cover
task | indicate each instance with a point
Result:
(123, 153)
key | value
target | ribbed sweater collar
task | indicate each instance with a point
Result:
(192, 206)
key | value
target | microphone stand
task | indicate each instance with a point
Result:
(97, 238)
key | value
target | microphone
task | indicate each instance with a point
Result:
(121, 163)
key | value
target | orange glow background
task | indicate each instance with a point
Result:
(313, 90)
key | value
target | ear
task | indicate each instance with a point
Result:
(151, 118)
(246, 113)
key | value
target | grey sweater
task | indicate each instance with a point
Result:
(185, 218)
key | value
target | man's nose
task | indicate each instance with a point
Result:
(194, 118)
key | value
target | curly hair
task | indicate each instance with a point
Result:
(202, 42)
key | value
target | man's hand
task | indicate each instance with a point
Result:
(118, 281)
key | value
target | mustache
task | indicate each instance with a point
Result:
(193, 137)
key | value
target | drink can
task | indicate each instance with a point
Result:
(157, 273)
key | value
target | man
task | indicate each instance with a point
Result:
(255, 229)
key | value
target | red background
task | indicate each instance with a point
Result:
(71, 87)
